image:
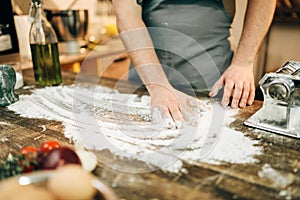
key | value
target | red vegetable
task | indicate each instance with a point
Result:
(29, 151)
(59, 157)
(48, 146)
(29, 162)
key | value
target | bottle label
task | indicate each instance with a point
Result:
(5, 42)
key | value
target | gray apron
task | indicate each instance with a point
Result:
(191, 40)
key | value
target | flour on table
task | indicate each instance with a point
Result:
(101, 118)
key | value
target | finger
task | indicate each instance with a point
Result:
(171, 116)
(198, 104)
(238, 90)
(156, 115)
(169, 123)
(245, 95)
(165, 112)
(187, 113)
(160, 113)
(227, 93)
(176, 114)
(161, 116)
(191, 118)
(251, 95)
(216, 87)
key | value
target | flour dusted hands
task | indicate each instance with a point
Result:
(172, 107)
(239, 81)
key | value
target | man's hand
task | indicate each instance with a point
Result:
(238, 78)
(238, 81)
(175, 106)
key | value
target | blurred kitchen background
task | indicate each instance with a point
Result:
(283, 40)
(281, 44)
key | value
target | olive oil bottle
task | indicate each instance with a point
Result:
(44, 48)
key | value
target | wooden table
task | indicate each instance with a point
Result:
(203, 181)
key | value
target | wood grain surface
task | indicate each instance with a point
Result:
(201, 180)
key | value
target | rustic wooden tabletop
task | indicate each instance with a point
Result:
(281, 155)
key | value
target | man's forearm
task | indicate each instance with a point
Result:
(258, 18)
(143, 57)
(138, 43)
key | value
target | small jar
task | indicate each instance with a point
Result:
(18, 71)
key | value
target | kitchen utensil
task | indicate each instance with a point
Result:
(280, 111)
(71, 28)
(69, 25)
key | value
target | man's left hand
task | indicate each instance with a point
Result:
(238, 82)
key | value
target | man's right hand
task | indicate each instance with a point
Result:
(174, 107)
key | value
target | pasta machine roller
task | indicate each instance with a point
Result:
(280, 112)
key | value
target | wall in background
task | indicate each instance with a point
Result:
(283, 43)
(237, 24)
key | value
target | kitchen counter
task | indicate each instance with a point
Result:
(199, 180)
(112, 47)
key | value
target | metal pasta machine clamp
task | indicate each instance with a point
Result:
(280, 112)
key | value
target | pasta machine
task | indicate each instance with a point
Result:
(280, 112)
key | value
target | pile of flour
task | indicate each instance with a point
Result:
(101, 118)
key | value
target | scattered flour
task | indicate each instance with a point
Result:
(102, 118)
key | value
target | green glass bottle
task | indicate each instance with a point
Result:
(44, 48)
